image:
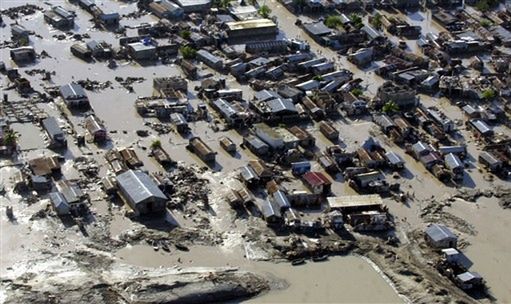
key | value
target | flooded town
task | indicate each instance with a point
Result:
(255, 151)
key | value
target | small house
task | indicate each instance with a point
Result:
(142, 50)
(59, 17)
(328, 130)
(59, 203)
(317, 182)
(81, 51)
(257, 146)
(23, 55)
(227, 144)
(179, 122)
(202, 150)
(271, 212)
(394, 160)
(74, 96)
(210, 60)
(469, 280)
(248, 176)
(300, 168)
(491, 161)
(480, 128)
(454, 257)
(40, 183)
(455, 165)
(19, 32)
(55, 133)
(440, 236)
(95, 128)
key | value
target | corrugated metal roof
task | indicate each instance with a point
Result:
(281, 200)
(52, 127)
(394, 158)
(72, 90)
(279, 105)
(139, 186)
(452, 161)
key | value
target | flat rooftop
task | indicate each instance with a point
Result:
(250, 24)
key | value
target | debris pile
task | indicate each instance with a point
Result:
(22, 10)
(127, 83)
(94, 85)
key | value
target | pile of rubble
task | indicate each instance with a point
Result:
(87, 166)
(93, 85)
(23, 10)
(127, 83)
(189, 188)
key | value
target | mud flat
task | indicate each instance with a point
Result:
(90, 277)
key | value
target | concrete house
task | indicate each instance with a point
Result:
(141, 193)
(439, 236)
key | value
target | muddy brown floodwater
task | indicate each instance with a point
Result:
(346, 279)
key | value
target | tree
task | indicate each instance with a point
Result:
(156, 144)
(185, 34)
(10, 138)
(333, 21)
(483, 5)
(356, 20)
(376, 21)
(390, 107)
(187, 52)
(357, 92)
(488, 94)
(264, 11)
